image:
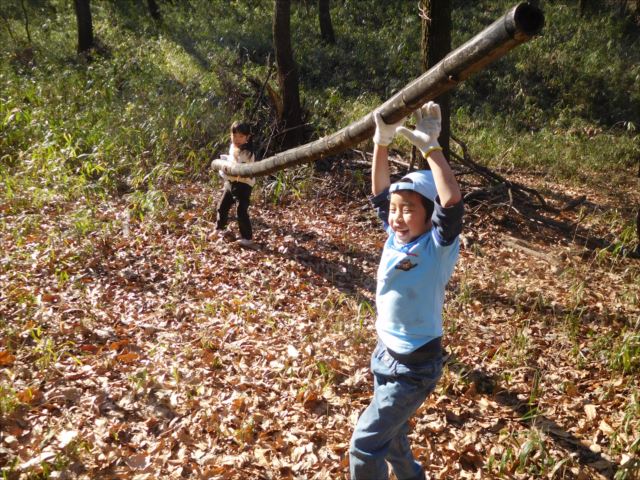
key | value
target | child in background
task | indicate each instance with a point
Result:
(422, 215)
(238, 189)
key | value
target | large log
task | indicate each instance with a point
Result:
(517, 26)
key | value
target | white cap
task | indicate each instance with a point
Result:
(421, 182)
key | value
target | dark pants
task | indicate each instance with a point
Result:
(240, 192)
(380, 436)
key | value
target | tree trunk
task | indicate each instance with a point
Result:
(26, 22)
(153, 9)
(638, 230)
(291, 121)
(517, 26)
(85, 25)
(425, 16)
(436, 44)
(324, 17)
(584, 6)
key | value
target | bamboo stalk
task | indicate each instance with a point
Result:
(517, 26)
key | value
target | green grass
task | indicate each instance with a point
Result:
(8, 399)
(625, 353)
(153, 107)
(155, 104)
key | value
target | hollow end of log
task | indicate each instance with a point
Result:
(528, 18)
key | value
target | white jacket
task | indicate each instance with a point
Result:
(240, 156)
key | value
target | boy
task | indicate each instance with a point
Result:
(422, 215)
(238, 188)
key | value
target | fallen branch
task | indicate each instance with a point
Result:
(517, 26)
(578, 235)
(574, 203)
(393, 160)
(501, 186)
(527, 248)
(522, 191)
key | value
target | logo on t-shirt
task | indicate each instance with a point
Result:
(406, 265)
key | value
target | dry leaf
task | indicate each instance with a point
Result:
(6, 358)
(37, 460)
(128, 357)
(65, 437)
(605, 428)
(591, 411)
(138, 461)
(292, 351)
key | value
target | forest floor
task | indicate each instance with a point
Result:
(155, 350)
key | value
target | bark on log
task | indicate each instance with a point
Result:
(517, 26)
(529, 249)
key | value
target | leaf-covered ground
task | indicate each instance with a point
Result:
(152, 349)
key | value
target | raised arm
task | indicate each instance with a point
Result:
(446, 183)
(425, 137)
(380, 176)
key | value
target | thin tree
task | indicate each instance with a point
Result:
(582, 7)
(324, 17)
(291, 121)
(638, 230)
(85, 25)
(8, 26)
(435, 45)
(26, 21)
(154, 10)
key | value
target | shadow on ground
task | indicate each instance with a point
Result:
(530, 416)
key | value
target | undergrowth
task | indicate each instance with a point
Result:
(153, 104)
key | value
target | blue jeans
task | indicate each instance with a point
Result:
(380, 435)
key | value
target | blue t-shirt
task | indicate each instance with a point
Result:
(412, 278)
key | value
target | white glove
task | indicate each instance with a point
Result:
(428, 125)
(384, 133)
(224, 158)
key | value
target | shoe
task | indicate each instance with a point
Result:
(246, 243)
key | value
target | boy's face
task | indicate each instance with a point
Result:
(239, 139)
(407, 216)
